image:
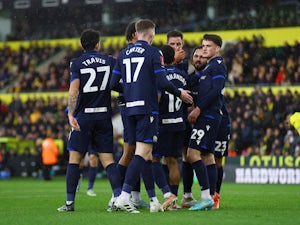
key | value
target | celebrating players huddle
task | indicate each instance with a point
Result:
(167, 115)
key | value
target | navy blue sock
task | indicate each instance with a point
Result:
(201, 174)
(92, 176)
(212, 177)
(122, 170)
(219, 179)
(174, 189)
(72, 178)
(187, 177)
(160, 177)
(137, 186)
(166, 171)
(148, 179)
(133, 173)
(113, 175)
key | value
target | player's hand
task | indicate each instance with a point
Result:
(186, 97)
(179, 56)
(73, 122)
(193, 116)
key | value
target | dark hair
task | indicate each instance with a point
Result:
(196, 48)
(168, 53)
(144, 24)
(129, 32)
(174, 33)
(89, 39)
(214, 38)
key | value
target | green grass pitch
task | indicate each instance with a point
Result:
(31, 201)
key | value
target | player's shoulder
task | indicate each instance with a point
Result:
(181, 72)
(217, 64)
(217, 61)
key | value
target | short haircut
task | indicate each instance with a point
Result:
(196, 48)
(168, 53)
(144, 25)
(174, 33)
(130, 30)
(214, 38)
(89, 39)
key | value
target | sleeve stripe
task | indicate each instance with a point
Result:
(218, 76)
(116, 72)
(72, 79)
(159, 70)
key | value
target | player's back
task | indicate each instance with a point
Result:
(170, 106)
(138, 65)
(94, 70)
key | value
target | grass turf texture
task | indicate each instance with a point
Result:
(30, 201)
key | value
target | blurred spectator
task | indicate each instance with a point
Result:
(49, 156)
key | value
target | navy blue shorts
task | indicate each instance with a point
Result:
(169, 144)
(142, 128)
(98, 133)
(221, 148)
(92, 150)
(204, 133)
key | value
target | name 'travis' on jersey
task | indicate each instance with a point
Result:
(92, 60)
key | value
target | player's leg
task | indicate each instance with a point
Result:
(128, 153)
(143, 130)
(187, 172)
(209, 161)
(103, 140)
(219, 182)
(72, 177)
(107, 161)
(221, 151)
(132, 175)
(201, 155)
(194, 157)
(81, 168)
(77, 147)
(92, 173)
(159, 175)
(171, 154)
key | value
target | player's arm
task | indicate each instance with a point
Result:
(165, 84)
(115, 83)
(72, 102)
(204, 101)
(217, 87)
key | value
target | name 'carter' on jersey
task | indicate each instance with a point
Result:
(139, 65)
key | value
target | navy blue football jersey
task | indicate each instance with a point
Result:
(184, 65)
(222, 141)
(139, 66)
(170, 106)
(210, 89)
(94, 71)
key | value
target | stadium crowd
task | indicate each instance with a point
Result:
(187, 16)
